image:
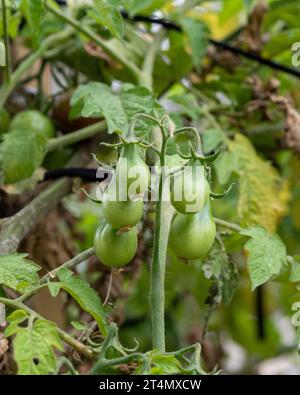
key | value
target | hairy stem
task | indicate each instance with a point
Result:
(81, 348)
(75, 137)
(67, 265)
(163, 216)
(6, 42)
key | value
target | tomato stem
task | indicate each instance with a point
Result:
(163, 216)
(75, 137)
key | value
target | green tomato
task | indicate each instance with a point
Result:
(132, 175)
(4, 121)
(192, 235)
(120, 214)
(115, 249)
(33, 120)
(190, 189)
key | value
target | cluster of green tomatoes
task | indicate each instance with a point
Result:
(193, 229)
(116, 239)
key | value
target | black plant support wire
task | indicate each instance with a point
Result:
(170, 25)
(88, 175)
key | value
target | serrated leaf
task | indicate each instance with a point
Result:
(109, 16)
(96, 99)
(224, 272)
(263, 195)
(22, 152)
(85, 296)
(18, 273)
(34, 348)
(267, 255)
(33, 11)
(14, 319)
(197, 33)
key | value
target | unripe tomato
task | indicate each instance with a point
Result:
(190, 189)
(4, 120)
(120, 214)
(132, 168)
(115, 249)
(192, 235)
(35, 121)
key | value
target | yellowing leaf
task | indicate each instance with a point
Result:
(263, 195)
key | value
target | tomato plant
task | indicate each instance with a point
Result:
(181, 230)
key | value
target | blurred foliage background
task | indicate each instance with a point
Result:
(248, 106)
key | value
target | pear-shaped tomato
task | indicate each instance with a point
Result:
(132, 175)
(192, 235)
(120, 214)
(190, 189)
(113, 248)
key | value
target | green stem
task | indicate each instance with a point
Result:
(69, 264)
(106, 45)
(51, 275)
(229, 225)
(104, 362)
(75, 137)
(81, 348)
(163, 216)
(6, 42)
(8, 87)
(146, 77)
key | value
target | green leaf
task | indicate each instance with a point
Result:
(14, 319)
(17, 316)
(295, 269)
(188, 105)
(79, 326)
(267, 255)
(230, 9)
(34, 348)
(33, 11)
(85, 296)
(224, 272)
(145, 6)
(54, 288)
(18, 273)
(22, 152)
(211, 139)
(96, 99)
(197, 33)
(161, 364)
(109, 16)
